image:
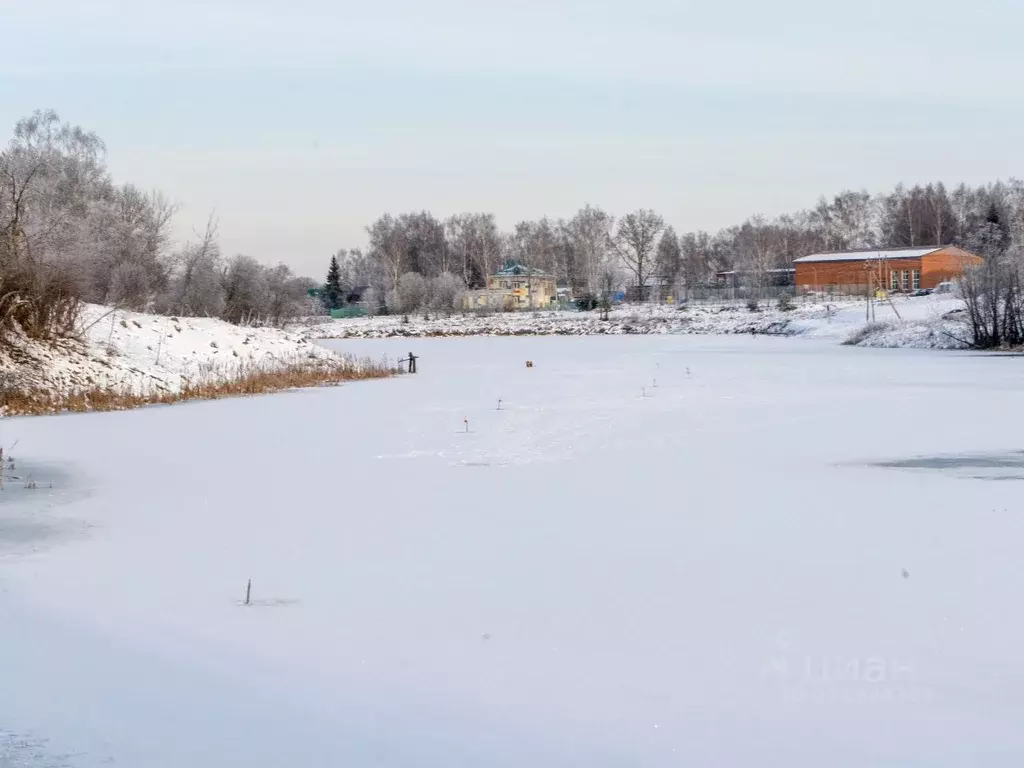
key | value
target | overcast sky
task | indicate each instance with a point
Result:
(301, 121)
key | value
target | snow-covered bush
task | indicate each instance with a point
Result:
(410, 294)
(865, 332)
(446, 291)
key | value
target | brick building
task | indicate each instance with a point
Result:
(896, 269)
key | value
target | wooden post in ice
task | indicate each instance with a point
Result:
(499, 403)
(248, 592)
(466, 422)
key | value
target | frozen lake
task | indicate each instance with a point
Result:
(660, 551)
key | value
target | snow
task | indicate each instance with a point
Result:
(638, 319)
(920, 322)
(152, 353)
(661, 551)
(872, 255)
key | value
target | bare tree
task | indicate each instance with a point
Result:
(388, 247)
(245, 291)
(425, 244)
(195, 288)
(590, 231)
(994, 291)
(670, 258)
(285, 293)
(474, 244)
(125, 258)
(635, 240)
(940, 213)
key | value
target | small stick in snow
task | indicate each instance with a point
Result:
(248, 592)
(643, 391)
(466, 422)
(499, 403)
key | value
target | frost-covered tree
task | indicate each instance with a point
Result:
(195, 284)
(69, 234)
(409, 295)
(286, 293)
(590, 231)
(474, 246)
(52, 176)
(994, 291)
(244, 291)
(445, 291)
(388, 248)
(128, 263)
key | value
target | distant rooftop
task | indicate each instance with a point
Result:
(872, 254)
(516, 269)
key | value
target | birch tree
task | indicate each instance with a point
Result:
(635, 240)
(591, 233)
(670, 257)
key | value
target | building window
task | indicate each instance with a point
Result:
(917, 279)
(894, 280)
(906, 279)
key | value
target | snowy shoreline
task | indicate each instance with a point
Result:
(155, 356)
(159, 358)
(922, 323)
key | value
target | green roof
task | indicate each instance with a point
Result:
(516, 269)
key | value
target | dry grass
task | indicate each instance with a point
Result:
(37, 302)
(210, 383)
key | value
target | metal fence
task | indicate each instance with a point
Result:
(763, 294)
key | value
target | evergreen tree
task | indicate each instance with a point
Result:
(333, 295)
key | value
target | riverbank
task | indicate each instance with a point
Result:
(122, 359)
(921, 322)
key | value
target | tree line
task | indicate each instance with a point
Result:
(595, 253)
(69, 233)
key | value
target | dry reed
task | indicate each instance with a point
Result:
(209, 383)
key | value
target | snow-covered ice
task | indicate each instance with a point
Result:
(661, 551)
